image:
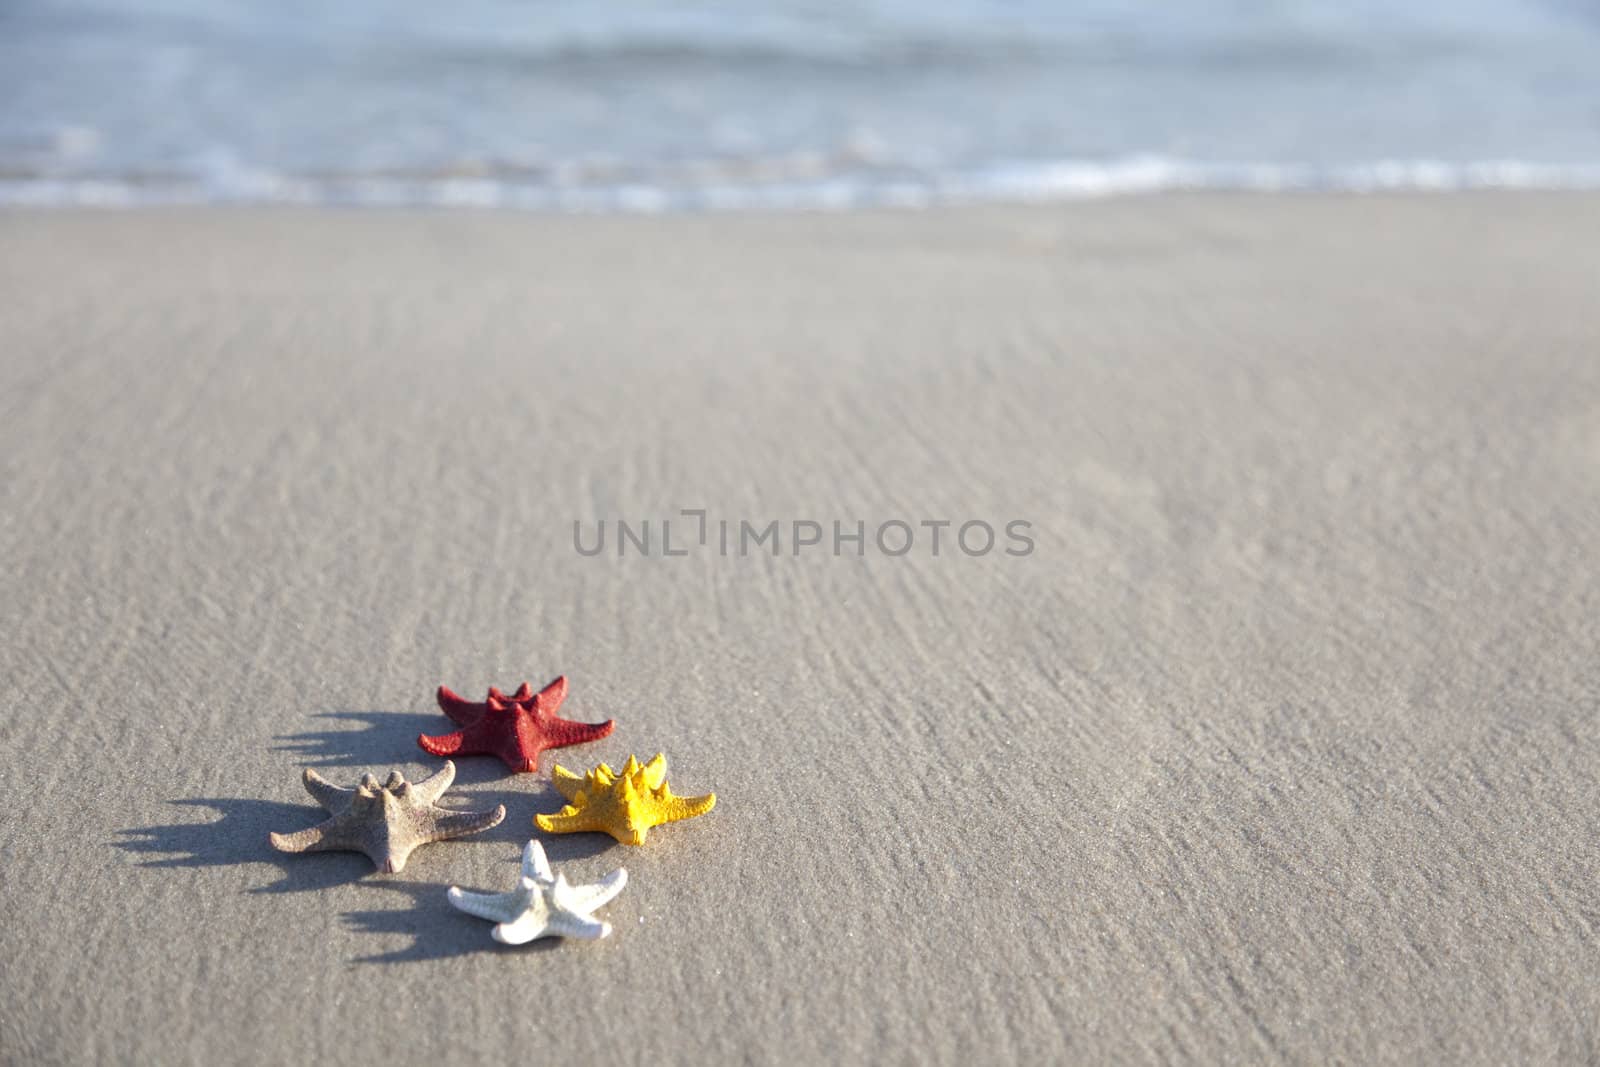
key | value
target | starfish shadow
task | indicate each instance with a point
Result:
(386, 735)
(437, 930)
(518, 828)
(388, 739)
(566, 848)
(240, 836)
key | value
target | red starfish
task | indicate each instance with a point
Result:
(516, 728)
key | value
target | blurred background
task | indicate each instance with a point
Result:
(646, 106)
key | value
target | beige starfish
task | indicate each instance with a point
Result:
(386, 821)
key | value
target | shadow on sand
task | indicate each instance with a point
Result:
(386, 741)
(437, 930)
(383, 736)
(240, 836)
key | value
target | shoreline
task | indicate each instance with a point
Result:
(690, 189)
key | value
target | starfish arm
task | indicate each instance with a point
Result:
(461, 712)
(324, 792)
(566, 924)
(524, 928)
(496, 907)
(568, 820)
(587, 898)
(550, 697)
(390, 856)
(535, 864)
(563, 732)
(655, 772)
(676, 808)
(566, 782)
(518, 750)
(444, 744)
(432, 787)
(312, 840)
(458, 823)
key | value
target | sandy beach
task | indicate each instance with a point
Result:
(1280, 745)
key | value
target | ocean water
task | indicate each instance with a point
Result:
(595, 106)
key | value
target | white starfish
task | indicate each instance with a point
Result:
(544, 904)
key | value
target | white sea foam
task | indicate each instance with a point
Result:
(1015, 182)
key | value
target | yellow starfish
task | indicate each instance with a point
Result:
(623, 805)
